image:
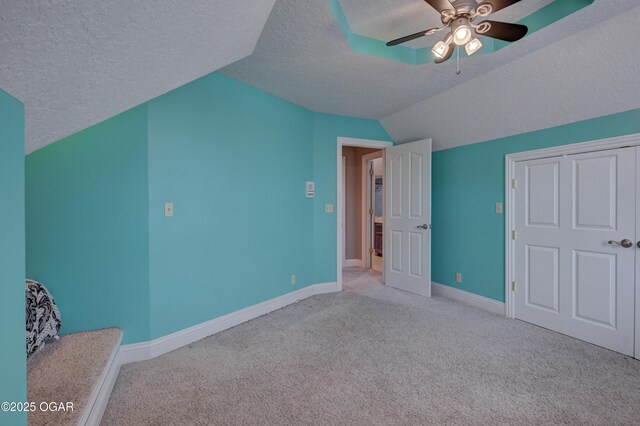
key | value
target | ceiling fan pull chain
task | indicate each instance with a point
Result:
(458, 53)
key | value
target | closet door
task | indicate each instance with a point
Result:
(575, 247)
(637, 250)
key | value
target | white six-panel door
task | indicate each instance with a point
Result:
(572, 273)
(407, 227)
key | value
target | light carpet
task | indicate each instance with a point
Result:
(358, 279)
(375, 355)
(67, 370)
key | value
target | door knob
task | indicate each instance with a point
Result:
(624, 243)
(425, 226)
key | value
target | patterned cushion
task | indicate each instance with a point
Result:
(43, 316)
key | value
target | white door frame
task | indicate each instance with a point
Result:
(343, 200)
(510, 174)
(360, 143)
(366, 202)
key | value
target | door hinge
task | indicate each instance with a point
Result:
(371, 211)
(514, 183)
(513, 286)
(371, 171)
(370, 250)
(514, 235)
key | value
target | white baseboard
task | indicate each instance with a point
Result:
(99, 398)
(351, 263)
(160, 346)
(468, 298)
(325, 288)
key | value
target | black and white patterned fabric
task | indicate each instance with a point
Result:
(43, 316)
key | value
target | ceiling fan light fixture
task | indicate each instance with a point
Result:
(462, 36)
(457, 18)
(441, 47)
(473, 46)
(461, 32)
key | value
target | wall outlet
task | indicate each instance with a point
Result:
(498, 208)
(328, 208)
(293, 279)
(458, 277)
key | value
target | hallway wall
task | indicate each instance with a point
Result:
(353, 208)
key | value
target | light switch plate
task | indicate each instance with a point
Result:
(168, 209)
(328, 208)
(498, 208)
(310, 189)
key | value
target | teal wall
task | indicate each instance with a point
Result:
(468, 236)
(87, 225)
(234, 161)
(326, 130)
(13, 375)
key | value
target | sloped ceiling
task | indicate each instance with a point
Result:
(590, 74)
(76, 63)
(387, 19)
(303, 57)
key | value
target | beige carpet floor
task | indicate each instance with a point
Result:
(374, 355)
(67, 371)
(356, 279)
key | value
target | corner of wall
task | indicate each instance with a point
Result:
(13, 385)
(87, 224)
(327, 128)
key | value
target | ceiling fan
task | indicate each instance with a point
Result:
(458, 17)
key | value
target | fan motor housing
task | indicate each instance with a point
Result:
(464, 8)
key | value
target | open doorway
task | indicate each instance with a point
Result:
(361, 210)
(406, 219)
(373, 210)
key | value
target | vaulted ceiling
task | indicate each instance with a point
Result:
(303, 56)
(390, 19)
(76, 63)
(589, 74)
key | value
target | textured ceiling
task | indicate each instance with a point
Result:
(391, 19)
(575, 79)
(76, 63)
(302, 56)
